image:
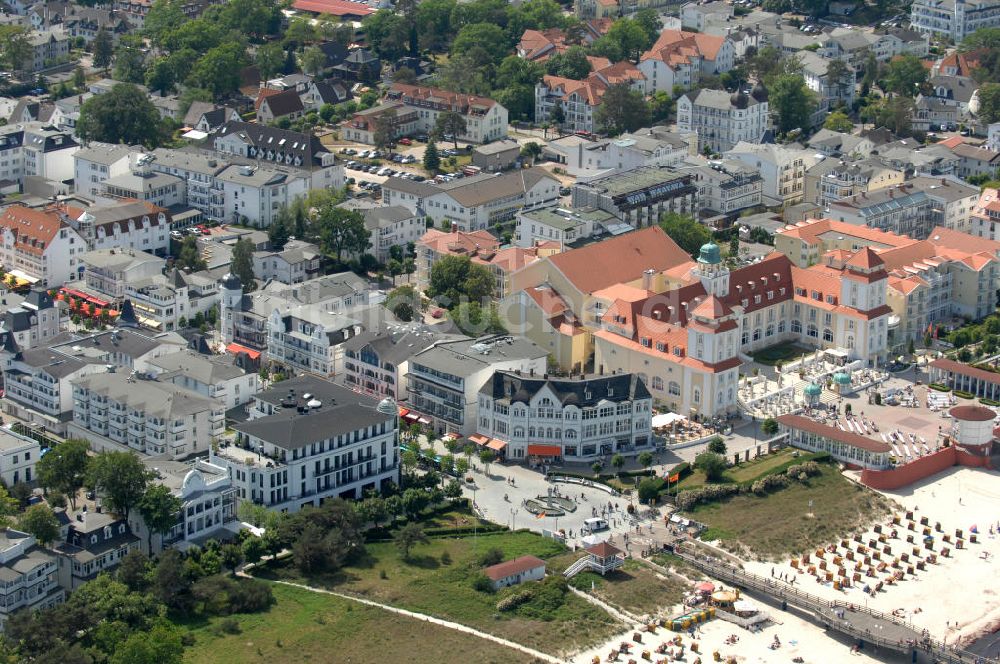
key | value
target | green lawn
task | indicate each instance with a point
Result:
(428, 585)
(778, 524)
(778, 353)
(635, 588)
(310, 627)
(744, 472)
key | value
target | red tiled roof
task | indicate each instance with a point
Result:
(972, 413)
(456, 100)
(866, 259)
(619, 259)
(512, 567)
(604, 550)
(847, 437)
(966, 370)
(711, 307)
(33, 229)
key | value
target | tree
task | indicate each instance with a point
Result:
(905, 75)
(622, 109)
(163, 17)
(474, 319)
(557, 116)
(649, 489)
(486, 457)
(618, 461)
(531, 150)
(571, 63)
(269, 59)
(313, 60)
(895, 114)
(838, 121)
(711, 464)
(15, 47)
(661, 106)
(461, 466)
(40, 521)
(130, 59)
(384, 132)
(769, 426)
(626, 39)
(218, 71)
(279, 231)
(717, 446)
(685, 231)
(646, 459)
(341, 230)
(242, 265)
(432, 161)
(122, 115)
(190, 256)
(596, 467)
(487, 37)
(408, 537)
(63, 468)
(159, 508)
(404, 303)
(159, 645)
(451, 123)
(457, 278)
(120, 478)
(989, 102)
(840, 75)
(134, 571)
(792, 101)
(79, 78)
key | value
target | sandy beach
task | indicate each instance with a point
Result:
(799, 638)
(958, 598)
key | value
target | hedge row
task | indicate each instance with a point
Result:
(989, 402)
(962, 394)
(939, 387)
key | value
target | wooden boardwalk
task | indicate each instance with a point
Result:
(868, 626)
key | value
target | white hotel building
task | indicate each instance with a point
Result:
(574, 419)
(308, 440)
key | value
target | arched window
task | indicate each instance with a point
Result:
(518, 432)
(850, 341)
(675, 388)
(570, 433)
(796, 326)
(531, 432)
(657, 383)
(827, 334)
(811, 331)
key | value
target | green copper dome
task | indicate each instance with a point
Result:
(841, 378)
(813, 390)
(710, 254)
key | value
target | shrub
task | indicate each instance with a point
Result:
(705, 494)
(962, 394)
(767, 484)
(482, 583)
(989, 402)
(511, 602)
(445, 558)
(230, 626)
(493, 556)
(939, 387)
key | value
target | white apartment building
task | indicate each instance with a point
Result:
(308, 440)
(649, 146)
(30, 321)
(36, 148)
(30, 574)
(376, 361)
(830, 93)
(953, 199)
(573, 419)
(392, 226)
(107, 271)
(477, 202)
(128, 225)
(954, 19)
(560, 225)
(94, 542)
(910, 209)
(443, 381)
(579, 101)
(215, 377)
(722, 120)
(726, 186)
(697, 15)
(416, 110)
(208, 505)
(307, 338)
(833, 179)
(298, 261)
(48, 49)
(18, 456)
(97, 162)
(281, 149)
(683, 58)
(782, 169)
(162, 300)
(112, 410)
(38, 245)
(253, 195)
(142, 183)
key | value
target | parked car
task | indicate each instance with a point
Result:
(405, 141)
(565, 191)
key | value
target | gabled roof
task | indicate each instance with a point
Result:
(33, 229)
(283, 103)
(866, 259)
(512, 567)
(711, 307)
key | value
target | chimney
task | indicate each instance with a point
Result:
(647, 279)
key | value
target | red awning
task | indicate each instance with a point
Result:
(403, 412)
(236, 348)
(452, 435)
(497, 445)
(479, 439)
(544, 450)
